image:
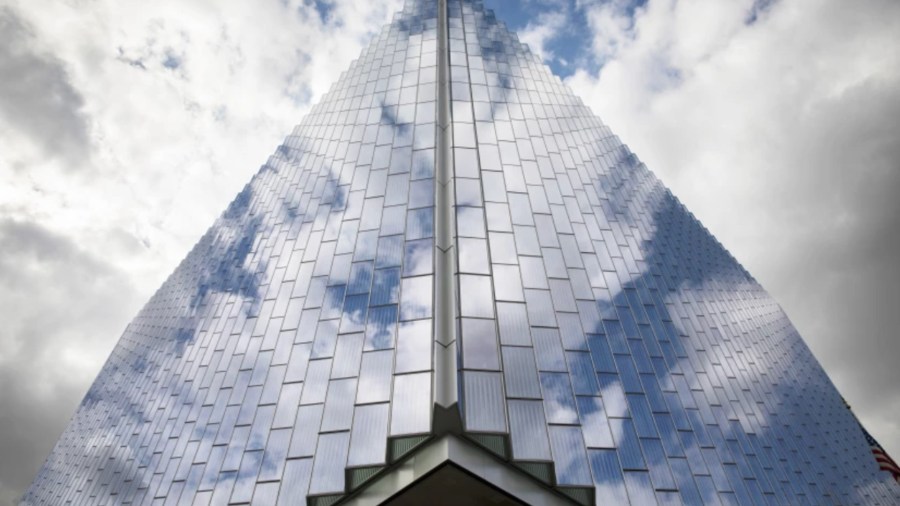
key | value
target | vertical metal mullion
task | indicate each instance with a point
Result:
(445, 291)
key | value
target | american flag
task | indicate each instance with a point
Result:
(885, 462)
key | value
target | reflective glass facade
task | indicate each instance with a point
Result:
(451, 242)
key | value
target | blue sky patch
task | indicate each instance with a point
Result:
(171, 61)
(571, 44)
(323, 8)
(759, 8)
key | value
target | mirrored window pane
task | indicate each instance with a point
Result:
(368, 439)
(411, 408)
(483, 401)
(479, 344)
(414, 342)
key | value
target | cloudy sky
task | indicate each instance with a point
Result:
(127, 126)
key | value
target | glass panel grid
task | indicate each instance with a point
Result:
(601, 328)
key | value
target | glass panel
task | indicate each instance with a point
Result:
(390, 251)
(521, 211)
(643, 419)
(414, 346)
(259, 431)
(627, 442)
(360, 278)
(498, 217)
(640, 489)
(329, 462)
(540, 308)
(520, 373)
(483, 402)
(503, 248)
(303, 441)
(508, 283)
(569, 456)
(421, 194)
(479, 344)
(275, 454)
(513, 322)
(347, 356)
(368, 440)
(656, 460)
(548, 350)
(592, 415)
(468, 192)
(475, 296)
(533, 272)
(420, 223)
(465, 163)
(339, 405)
(375, 377)
(600, 354)
(354, 314)
(396, 221)
(381, 328)
(608, 480)
(265, 493)
(473, 256)
(470, 222)
(423, 160)
(326, 338)
(584, 379)
(417, 258)
(559, 403)
(246, 477)
(528, 432)
(386, 287)
(571, 330)
(316, 382)
(411, 409)
(286, 409)
(554, 263)
(415, 298)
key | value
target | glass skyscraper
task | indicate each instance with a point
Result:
(453, 284)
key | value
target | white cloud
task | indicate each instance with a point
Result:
(542, 31)
(611, 24)
(178, 97)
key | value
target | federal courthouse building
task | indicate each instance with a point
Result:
(453, 284)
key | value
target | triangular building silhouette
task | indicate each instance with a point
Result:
(452, 284)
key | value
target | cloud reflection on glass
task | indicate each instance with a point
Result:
(602, 330)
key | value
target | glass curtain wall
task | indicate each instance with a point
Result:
(603, 342)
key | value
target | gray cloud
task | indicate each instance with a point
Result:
(61, 311)
(37, 96)
(835, 269)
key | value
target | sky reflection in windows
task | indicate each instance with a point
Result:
(602, 330)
